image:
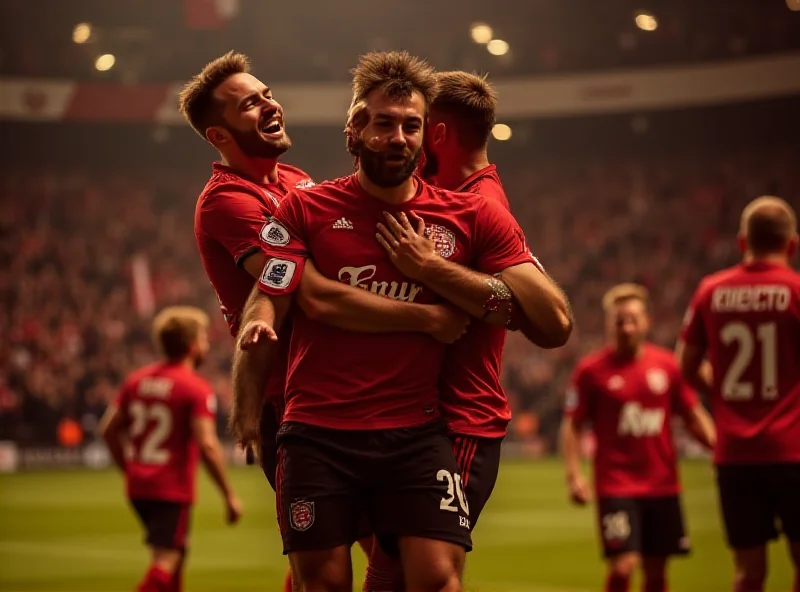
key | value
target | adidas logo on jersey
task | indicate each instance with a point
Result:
(343, 223)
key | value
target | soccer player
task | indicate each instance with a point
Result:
(361, 427)
(630, 392)
(474, 404)
(746, 321)
(165, 414)
(238, 115)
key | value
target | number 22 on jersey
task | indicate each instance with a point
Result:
(765, 339)
(158, 418)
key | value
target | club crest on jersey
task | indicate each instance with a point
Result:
(301, 515)
(274, 234)
(657, 380)
(444, 240)
(305, 184)
(278, 273)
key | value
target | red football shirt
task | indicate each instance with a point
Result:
(159, 403)
(473, 400)
(230, 220)
(630, 403)
(340, 379)
(747, 318)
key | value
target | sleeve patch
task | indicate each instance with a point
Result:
(278, 273)
(275, 234)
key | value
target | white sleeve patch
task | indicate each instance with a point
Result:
(274, 234)
(278, 273)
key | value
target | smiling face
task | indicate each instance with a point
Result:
(251, 118)
(390, 143)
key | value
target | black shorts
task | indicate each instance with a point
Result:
(650, 526)
(479, 463)
(755, 499)
(271, 415)
(406, 481)
(166, 524)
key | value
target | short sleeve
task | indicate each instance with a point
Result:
(500, 241)
(204, 404)
(684, 398)
(693, 331)
(235, 219)
(285, 247)
(577, 404)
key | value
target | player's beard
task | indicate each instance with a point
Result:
(254, 145)
(379, 171)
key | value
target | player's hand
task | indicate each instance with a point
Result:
(449, 323)
(256, 332)
(408, 248)
(579, 491)
(233, 509)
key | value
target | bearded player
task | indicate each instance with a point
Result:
(746, 321)
(238, 115)
(474, 404)
(361, 426)
(165, 414)
(630, 391)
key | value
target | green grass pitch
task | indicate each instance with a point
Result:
(72, 531)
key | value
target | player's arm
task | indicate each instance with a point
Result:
(354, 309)
(545, 317)
(204, 432)
(112, 428)
(690, 351)
(700, 425)
(576, 409)
(253, 359)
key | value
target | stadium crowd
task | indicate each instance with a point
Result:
(72, 327)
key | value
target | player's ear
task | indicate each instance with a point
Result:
(218, 136)
(439, 133)
(791, 248)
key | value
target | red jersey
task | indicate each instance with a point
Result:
(346, 380)
(229, 219)
(747, 319)
(630, 403)
(473, 400)
(159, 403)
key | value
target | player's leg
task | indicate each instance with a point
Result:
(420, 509)
(621, 535)
(318, 507)
(749, 518)
(663, 535)
(384, 573)
(177, 576)
(167, 527)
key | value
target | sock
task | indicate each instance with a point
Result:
(617, 583)
(797, 582)
(653, 584)
(156, 580)
(384, 574)
(287, 583)
(744, 586)
(177, 580)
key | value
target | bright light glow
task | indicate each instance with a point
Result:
(646, 21)
(82, 32)
(105, 62)
(501, 132)
(497, 47)
(481, 33)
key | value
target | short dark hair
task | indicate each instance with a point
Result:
(469, 101)
(196, 101)
(768, 224)
(175, 330)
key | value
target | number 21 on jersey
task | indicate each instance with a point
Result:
(158, 417)
(764, 338)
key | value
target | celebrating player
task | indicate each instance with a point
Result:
(166, 413)
(630, 392)
(239, 116)
(746, 320)
(360, 428)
